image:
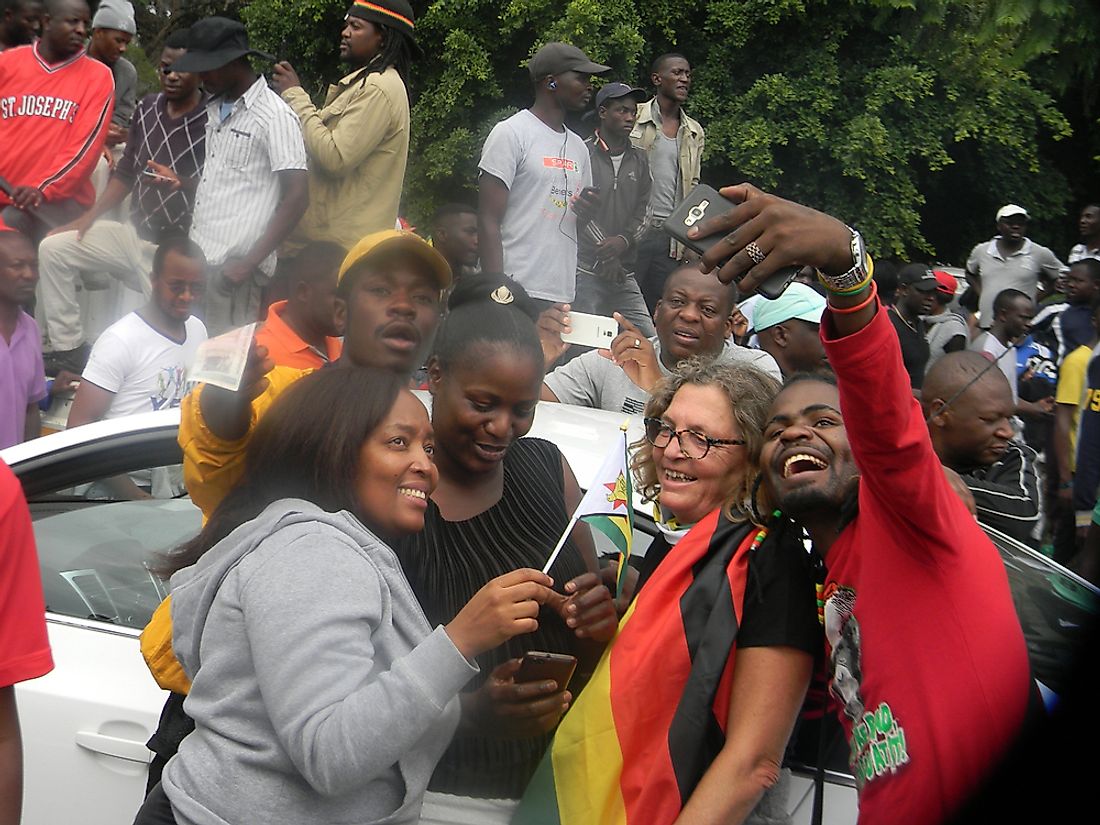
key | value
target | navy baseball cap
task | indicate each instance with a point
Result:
(617, 90)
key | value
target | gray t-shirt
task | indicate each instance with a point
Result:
(590, 380)
(1020, 270)
(126, 81)
(543, 170)
(664, 166)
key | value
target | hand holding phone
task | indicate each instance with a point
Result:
(703, 203)
(590, 330)
(538, 665)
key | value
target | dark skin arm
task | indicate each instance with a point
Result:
(227, 414)
(32, 426)
(492, 201)
(293, 200)
(1063, 424)
(11, 759)
(112, 197)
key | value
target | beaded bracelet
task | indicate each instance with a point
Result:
(857, 288)
(861, 305)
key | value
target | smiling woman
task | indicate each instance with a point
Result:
(292, 602)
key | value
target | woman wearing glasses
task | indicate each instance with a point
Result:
(711, 664)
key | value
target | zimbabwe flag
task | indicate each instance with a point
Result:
(651, 720)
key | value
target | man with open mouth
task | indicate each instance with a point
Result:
(927, 659)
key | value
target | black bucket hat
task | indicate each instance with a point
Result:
(215, 42)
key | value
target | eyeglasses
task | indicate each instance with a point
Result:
(692, 444)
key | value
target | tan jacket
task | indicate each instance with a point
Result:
(692, 140)
(358, 145)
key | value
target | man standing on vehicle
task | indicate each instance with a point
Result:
(113, 28)
(535, 179)
(608, 243)
(254, 186)
(925, 651)
(674, 145)
(160, 169)
(1009, 261)
(22, 378)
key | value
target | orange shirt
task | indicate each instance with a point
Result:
(284, 346)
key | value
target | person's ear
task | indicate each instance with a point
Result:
(729, 326)
(340, 314)
(781, 335)
(435, 374)
(939, 414)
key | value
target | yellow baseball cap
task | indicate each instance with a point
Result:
(398, 240)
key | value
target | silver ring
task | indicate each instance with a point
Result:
(637, 343)
(755, 252)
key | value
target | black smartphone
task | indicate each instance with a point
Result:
(704, 202)
(538, 666)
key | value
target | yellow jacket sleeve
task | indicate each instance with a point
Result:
(211, 465)
(341, 135)
(156, 649)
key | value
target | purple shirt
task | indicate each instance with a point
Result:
(22, 378)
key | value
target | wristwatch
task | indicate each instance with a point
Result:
(862, 268)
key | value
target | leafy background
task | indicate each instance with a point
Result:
(912, 119)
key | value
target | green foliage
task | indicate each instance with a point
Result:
(914, 119)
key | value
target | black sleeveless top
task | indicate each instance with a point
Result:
(449, 561)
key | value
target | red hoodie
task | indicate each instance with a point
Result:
(926, 654)
(53, 122)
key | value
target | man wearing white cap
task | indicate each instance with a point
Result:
(1009, 261)
(787, 329)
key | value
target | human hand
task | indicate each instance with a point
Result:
(551, 324)
(961, 490)
(505, 607)
(588, 608)
(612, 247)
(632, 351)
(1065, 495)
(586, 203)
(27, 197)
(80, 226)
(65, 381)
(236, 271)
(609, 575)
(506, 708)
(163, 176)
(788, 233)
(116, 135)
(284, 77)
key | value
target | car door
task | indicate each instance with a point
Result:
(86, 723)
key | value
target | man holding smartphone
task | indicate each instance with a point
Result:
(165, 149)
(608, 243)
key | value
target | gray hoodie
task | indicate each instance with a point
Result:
(319, 691)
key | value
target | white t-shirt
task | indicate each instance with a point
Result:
(543, 170)
(145, 370)
(988, 344)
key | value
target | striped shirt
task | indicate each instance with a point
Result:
(179, 144)
(239, 189)
(1007, 494)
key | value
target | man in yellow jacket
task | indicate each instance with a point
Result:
(388, 298)
(358, 142)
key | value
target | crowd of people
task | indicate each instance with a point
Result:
(880, 412)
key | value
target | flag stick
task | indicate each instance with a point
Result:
(561, 543)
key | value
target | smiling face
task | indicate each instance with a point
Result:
(693, 315)
(396, 472)
(1089, 222)
(482, 404)
(692, 487)
(18, 268)
(806, 460)
(389, 312)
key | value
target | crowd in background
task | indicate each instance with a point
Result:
(230, 197)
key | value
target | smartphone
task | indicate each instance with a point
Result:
(591, 330)
(704, 202)
(539, 666)
(149, 173)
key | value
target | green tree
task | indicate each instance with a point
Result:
(913, 119)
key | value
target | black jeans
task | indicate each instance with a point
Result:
(156, 809)
(654, 265)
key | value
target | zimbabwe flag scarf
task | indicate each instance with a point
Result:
(650, 722)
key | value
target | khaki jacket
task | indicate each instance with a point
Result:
(358, 145)
(692, 141)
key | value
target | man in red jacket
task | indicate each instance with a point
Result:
(927, 663)
(55, 107)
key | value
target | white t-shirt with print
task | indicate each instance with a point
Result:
(544, 171)
(145, 370)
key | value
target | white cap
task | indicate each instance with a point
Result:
(1011, 209)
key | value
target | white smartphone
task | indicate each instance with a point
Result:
(591, 330)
